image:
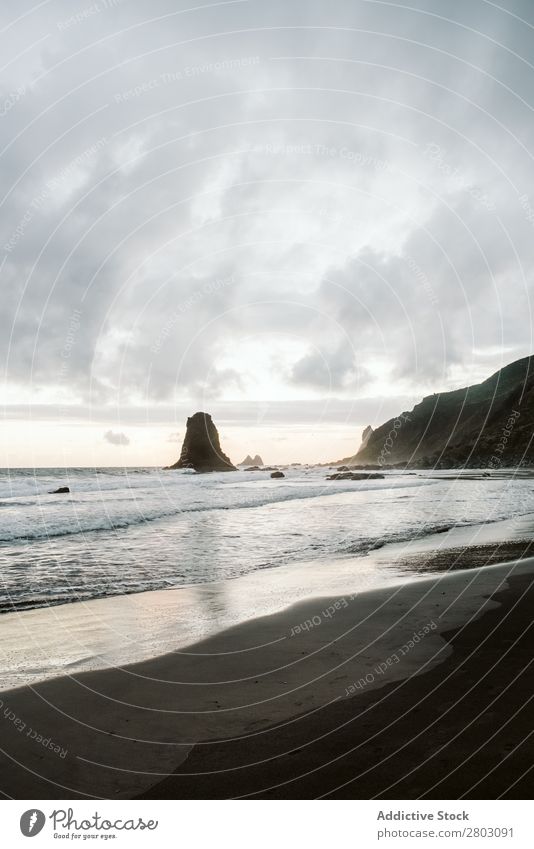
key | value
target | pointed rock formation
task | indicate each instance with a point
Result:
(202, 450)
(252, 461)
(366, 435)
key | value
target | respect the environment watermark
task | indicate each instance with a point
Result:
(51, 186)
(190, 71)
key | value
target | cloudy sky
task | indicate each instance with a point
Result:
(300, 216)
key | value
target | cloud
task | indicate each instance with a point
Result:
(331, 370)
(116, 438)
(371, 212)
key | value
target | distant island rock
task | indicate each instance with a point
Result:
(487, 425)
(251, 461)
(201, 449)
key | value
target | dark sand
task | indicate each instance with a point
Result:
(256, 712)
(462, 730)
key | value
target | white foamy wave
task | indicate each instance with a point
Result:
(125, 531)
(96, 505)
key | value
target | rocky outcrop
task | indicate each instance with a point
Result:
(251, 461)
(366, 435)
(60, 491)
(202, 450)
(277, 475)
(354, 476)
(487, 425)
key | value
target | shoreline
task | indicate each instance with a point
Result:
(47, 642)
(250, 691)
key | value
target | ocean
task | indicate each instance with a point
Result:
(128, 530)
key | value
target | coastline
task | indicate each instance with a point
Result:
(46, 642)
(193, 723)
(69, 639)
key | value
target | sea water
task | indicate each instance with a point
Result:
(123, 531)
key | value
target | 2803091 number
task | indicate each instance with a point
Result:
(497, 831)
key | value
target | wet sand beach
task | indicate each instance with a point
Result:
(413, 690)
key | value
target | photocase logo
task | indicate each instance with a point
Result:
(32, 822)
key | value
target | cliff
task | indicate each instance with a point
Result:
(489, 424)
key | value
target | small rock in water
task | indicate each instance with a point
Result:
(277, 475)
(60, 491)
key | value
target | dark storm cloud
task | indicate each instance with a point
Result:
(353, 176)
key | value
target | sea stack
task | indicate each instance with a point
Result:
(202, 450)
(252, 461)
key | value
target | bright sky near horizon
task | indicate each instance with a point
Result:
(298, 216)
